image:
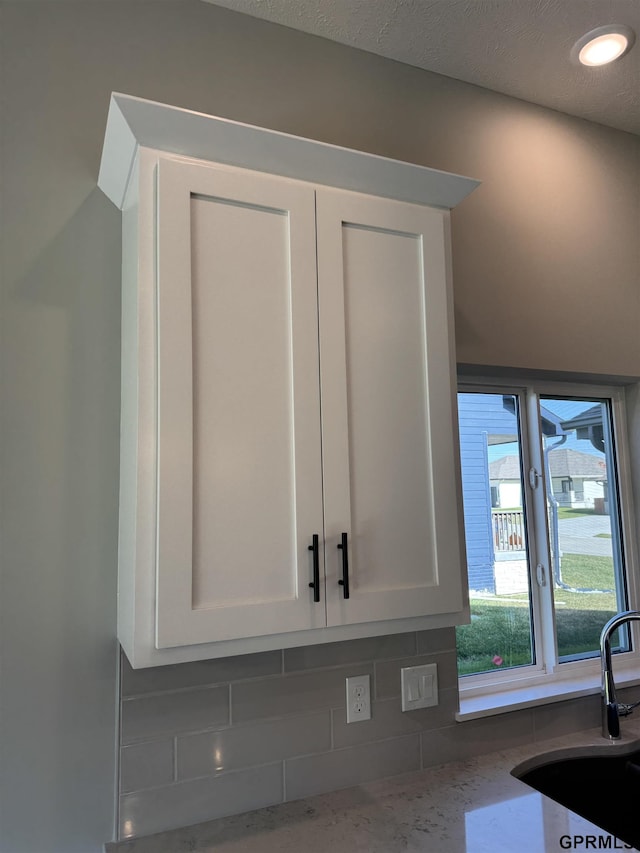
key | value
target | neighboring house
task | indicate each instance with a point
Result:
(491, 477)
(591, 425)
(482, 419)
(486, 421)
(577, 479)
(505, 479)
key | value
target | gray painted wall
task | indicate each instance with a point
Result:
(546, 265)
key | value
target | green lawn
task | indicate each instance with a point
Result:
(500, 626)
(565, 512)
(583, 572)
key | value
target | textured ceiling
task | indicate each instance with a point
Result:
(517, 47)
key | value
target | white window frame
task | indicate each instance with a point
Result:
(548, 680)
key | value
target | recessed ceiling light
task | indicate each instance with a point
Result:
(603, 45)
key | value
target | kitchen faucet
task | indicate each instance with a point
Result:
(611, 709)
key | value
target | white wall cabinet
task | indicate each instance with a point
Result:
(287, 377)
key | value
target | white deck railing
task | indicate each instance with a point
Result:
(508, 530)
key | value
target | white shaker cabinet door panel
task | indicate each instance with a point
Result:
(388, 432)
(239, 471)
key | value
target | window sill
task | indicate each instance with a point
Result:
(515, 697)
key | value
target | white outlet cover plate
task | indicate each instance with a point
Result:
(358, 698)
(419, 686)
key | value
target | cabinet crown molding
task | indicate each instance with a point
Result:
(135, 122)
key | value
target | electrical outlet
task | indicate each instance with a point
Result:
(358, 699)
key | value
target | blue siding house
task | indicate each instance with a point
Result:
(488, 426)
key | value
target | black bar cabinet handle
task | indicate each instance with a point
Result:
(344, 583)
(315, 585)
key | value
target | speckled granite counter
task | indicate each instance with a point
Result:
(474, 806)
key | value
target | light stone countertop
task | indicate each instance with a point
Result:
(473, 806)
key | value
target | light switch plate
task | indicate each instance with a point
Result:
(419, 686)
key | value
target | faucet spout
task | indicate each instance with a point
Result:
(610, 707)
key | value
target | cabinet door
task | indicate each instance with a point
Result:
(239, 470)
(388, 428)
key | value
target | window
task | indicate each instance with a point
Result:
(547, 535)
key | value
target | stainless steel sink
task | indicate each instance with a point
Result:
(601, 784)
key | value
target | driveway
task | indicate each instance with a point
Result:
(580, 535)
